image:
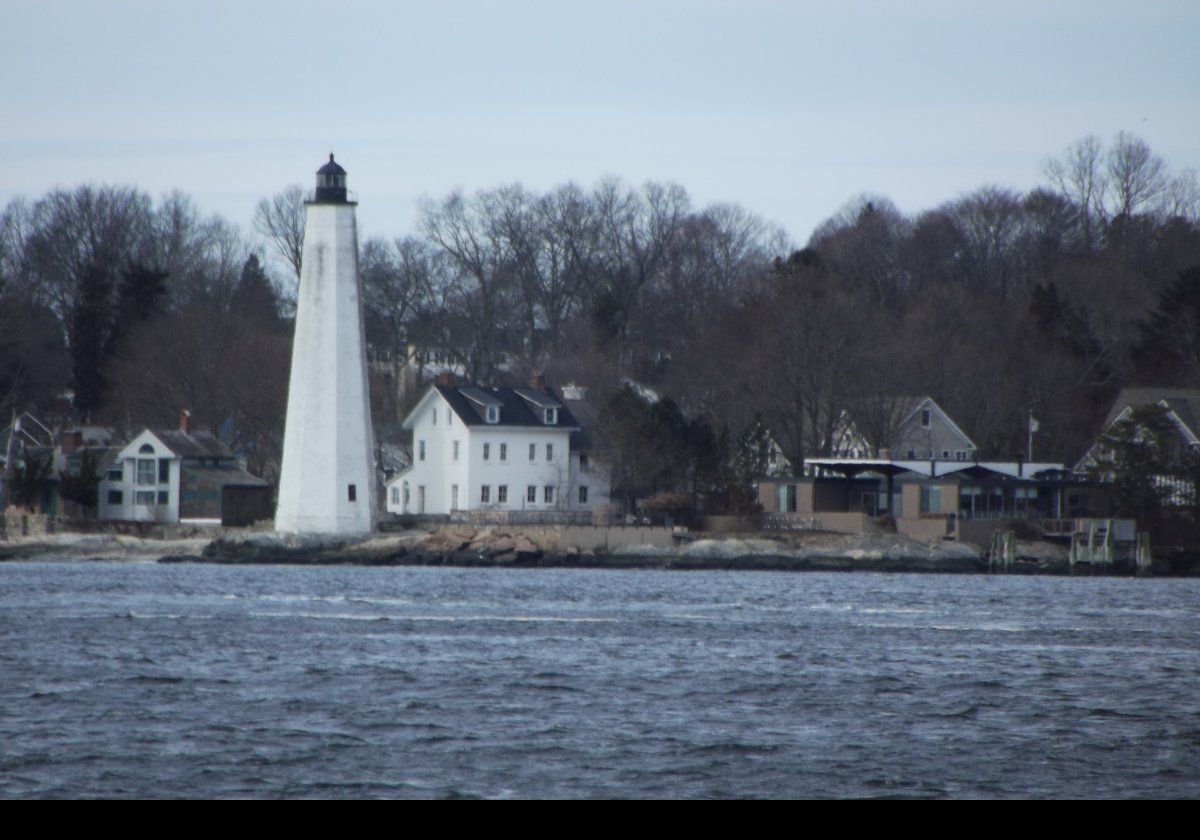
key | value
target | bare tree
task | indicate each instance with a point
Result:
(990, 220)
(70, 232)
(464, 229)
(862, 241)
(280, 220)
(1136, 174)
(1181, 196)
(1080, 175)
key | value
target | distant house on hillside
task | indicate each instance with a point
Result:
(181, 475)
(1178, 414)
(495, 449)
(912, 428)
(1181, 407)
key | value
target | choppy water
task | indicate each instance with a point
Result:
(145, 680)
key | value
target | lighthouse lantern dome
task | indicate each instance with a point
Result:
(331, 182)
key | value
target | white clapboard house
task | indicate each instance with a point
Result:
(495, 449)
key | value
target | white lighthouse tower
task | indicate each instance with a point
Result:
(327, 480)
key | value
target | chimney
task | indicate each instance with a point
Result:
(447, 379)
(185, 421)
(537, 381)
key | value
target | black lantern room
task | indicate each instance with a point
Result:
(331, 183)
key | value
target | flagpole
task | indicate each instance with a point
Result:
(1029, 448)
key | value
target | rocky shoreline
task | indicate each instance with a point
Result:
(498, 548)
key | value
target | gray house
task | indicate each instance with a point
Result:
(911, 428)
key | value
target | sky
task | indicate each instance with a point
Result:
(790, 109)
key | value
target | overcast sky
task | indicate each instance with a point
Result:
(788, 108)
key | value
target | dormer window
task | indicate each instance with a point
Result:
(493, 414)
(550, 416)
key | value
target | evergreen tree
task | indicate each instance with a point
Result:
(91, 322)
(1133, 457)
(254, 298)
(82, 486)
(1169, 350)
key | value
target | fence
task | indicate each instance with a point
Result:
(527, 517)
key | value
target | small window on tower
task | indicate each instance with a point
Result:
(353, 492)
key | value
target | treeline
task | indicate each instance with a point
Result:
(997, 303)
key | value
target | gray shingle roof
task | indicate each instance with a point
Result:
(1185, 402)
(230, 477)
(515, 410)
(193, 444)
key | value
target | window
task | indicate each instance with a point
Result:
(145, 472)
(550, 416)
(453, 497)
(548, 494)
(945, 454)
(407, 495)
(487, 451)
(931, 500)
(583, 495)
(420, 450)
(144, 497)
(114, 475)
(960, 455)
(395, 495)
(435, 417)
(449, 417)
(352, 493)
(115, 497)
(532, 452)
(502, 494)
(164, 470)
(912, 453)
(493, 414)
(583, 463)
(162, 497)
(503, 452)
(549, 451)
(786, 498)
(485, 494)
(455, 450)
(925, 417)
(531, 494)
(420, 498)
(146, 449)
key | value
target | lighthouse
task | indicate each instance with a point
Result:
(327, 480)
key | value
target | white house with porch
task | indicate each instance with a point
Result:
(495, 449)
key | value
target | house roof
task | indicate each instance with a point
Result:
(939, 469)
(1184, 402)
(227, 477)
(919, 403)
(516, 406)
(907, 407)
(192, 444)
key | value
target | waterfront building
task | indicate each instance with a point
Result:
(179, 475)
(503, 450)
